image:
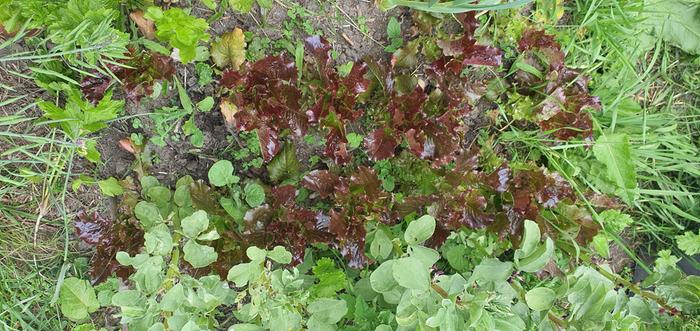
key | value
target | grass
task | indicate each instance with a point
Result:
(35, 229)
(37, 162)
(649, 90)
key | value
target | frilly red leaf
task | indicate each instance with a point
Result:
(381, 144)
(268, 100)
(138, 74)
(335, 97)
(567, 100)
(108, 237)
(322, 181)
(466, 48)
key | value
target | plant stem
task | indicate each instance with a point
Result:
(440, 291)
(635, 289)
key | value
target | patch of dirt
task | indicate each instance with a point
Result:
(355, 29)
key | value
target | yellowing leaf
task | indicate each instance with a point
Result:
(228, 111)
(146, 26)
(229, 50)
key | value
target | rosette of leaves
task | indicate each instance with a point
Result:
(179, 29)
(430, 136)
(465, 48)
(501, 200)
(356, 199)
(109, 237)
(79, 117)
(335, 97)
(561, 94)
(138, 74)
(265, 98)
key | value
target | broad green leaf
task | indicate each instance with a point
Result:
(239, 274)
(532, 256)
(615, 221)
(457, 257)
(90, 152)
(328, 311)
(330, 278)
(157, 327)
(613, 150)
(196, 135)
(381, 245)
(229, 50)
(211, 4)
(393, 28)
(173, 299)
(420, 230)
(206, 104)
(131, 302)
(676, 21)
(191, 326)
(531, 238)
(185, 100)
(537, 259)
(283, 319)
(149, 272)
(148, 214)
(254, 194)
(246, 327)
(86, 327)
(284, 165)
(199, 256)
(221, 174)
(491, 270)
(410, 272)
(160, 195)
(195, 224)
(182, 196)
(427, 256)
(382, 279)
(234, 208)
(540, 298)
(256, 254)
(209, 236)
(280, 254)
(110, 187)
(242, 6)
(77, 299)
(600, 244)
(158, 240)
(148, 182)
(105, 290)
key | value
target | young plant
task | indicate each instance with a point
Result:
(181, 30)
(79, 118)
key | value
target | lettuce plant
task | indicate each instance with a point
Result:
(181, 30)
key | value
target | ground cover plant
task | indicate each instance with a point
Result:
(322, 165)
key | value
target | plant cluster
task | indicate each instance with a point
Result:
(461, 185)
